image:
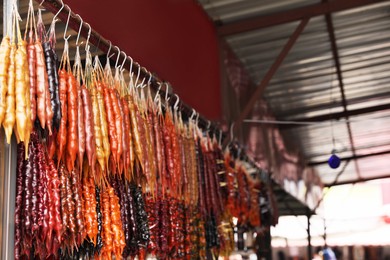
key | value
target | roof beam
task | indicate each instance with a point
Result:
(287, 204)
(290, 16)
(353, 157)
(358, 180)
(337, 116)
(270, 73)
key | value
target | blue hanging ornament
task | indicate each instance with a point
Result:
(334, 160)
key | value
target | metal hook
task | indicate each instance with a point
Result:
(208, 125)
(124, 60)
(158, 92)
(131, 65)
(146, 72)
(157, 100)
(89, 35)
(166, 91)
(59, 11)
(117, 57)
(67, 23)
(176, 105)
(81, 25)
(130, 71)
(220, 137)
(231, 132)
(141, 85)
(108, 52)
(193, 114)
(150, 78)
(112, 55)
(139, 70)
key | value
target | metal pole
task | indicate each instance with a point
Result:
(8, 176)
(9, 201)
(309, 248)
(325, 243)
(2, 174)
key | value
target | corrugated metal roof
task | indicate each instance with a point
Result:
(306, 84)
(233, 10)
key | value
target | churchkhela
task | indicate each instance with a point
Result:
(108, 168)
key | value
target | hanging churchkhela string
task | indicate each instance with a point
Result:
(107, 170)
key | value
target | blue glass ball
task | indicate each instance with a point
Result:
(334, 161)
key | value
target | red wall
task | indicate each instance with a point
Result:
(173, 38)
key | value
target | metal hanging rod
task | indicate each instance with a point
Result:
(104, 45)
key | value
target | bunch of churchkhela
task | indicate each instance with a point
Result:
(105, 168)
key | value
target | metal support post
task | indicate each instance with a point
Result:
(309, 247)
(8, 200)
(7, 171)
(325, 242)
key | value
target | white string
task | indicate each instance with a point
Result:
(332, 99)
(341, 121)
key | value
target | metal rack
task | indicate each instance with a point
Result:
(107, 47)
(8, 152)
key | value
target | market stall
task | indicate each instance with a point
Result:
(102, 160)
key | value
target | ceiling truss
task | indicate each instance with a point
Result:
(322, 8)
(270, 73)
(303, 15)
